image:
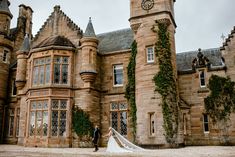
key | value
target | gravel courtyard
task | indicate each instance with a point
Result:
(202, 151)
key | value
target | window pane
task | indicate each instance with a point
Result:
(64, 74)
(65, 60)
(39, 123)
(45, 105)
(55, 104)
(35, 75)
(54, 125)
(63, 104)
(118, 75)
(48, 72)
(206, 123)
(57, 59)
(45, 123)
(62, 123)
(56, 73)
(202, 78)
(32, 124)
(114, 106)
(150, 54)
(17, 122)
(41, 74)
(114, 120)
(123, 118)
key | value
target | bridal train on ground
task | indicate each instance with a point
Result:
(126, 146)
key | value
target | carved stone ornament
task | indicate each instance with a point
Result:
(147, 4)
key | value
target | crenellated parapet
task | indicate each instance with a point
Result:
(228, 39)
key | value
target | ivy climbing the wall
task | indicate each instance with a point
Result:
(165, 83)
(220, 104)
(81, 123)
(130, 87)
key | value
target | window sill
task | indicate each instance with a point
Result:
(117, 86)
(203, 90)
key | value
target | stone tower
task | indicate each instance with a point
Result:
(144, 16)
(88, 73)
(6, 47)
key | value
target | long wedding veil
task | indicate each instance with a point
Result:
(125, 143)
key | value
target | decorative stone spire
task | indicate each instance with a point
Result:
(26, 44)
(89, 30)
(4, 7)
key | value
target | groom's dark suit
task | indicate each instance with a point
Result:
(96, 137)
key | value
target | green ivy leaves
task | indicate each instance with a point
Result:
(130, 87)
(221, 101)
(81, 123)
(165, 83)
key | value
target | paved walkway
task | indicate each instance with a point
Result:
(207, 151)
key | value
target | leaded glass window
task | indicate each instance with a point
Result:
(205, 123)
(61, 70)
(11, 122)
(38, 118)
(118, 75)
(118, 117)
(41, 71)
(59, 117)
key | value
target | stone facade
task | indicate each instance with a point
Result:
(43, 77)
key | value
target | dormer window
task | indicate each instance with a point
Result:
(202, 79)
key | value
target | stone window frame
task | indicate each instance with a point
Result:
(119, 109)
(152, 124)
(206, 123)
(60, 110)
(202, 79)
(5, 55)
(11, 122)
(36, 110)
(149, 59)
(114, 74)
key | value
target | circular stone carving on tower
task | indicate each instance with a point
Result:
(147, 4)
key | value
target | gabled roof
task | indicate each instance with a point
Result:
(58, 23)
(115, 41)
(55, 41)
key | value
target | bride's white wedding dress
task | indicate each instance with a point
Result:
(127, 146)
(113, 146)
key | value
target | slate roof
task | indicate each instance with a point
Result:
(115, 41)
(55, 41)
(25, 47)
(184, 60)
(90, 32)
(4, 7)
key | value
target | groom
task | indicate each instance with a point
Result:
(96, 136)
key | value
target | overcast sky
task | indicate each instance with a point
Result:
(200, 23)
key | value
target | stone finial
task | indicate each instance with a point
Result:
(4, 7)
(56, 8)
(90, 32)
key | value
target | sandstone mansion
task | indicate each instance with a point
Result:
(43, 76)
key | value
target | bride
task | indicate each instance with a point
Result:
(114, 147)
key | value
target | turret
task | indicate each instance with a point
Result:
(22, 63)
(89, 44)
(5, 17)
